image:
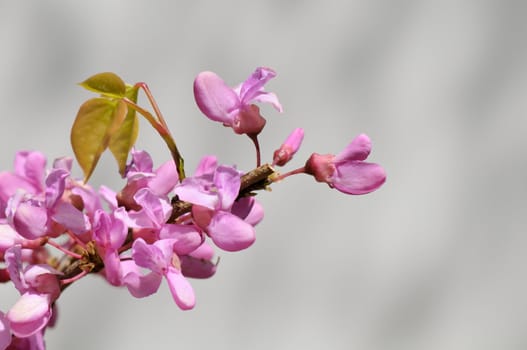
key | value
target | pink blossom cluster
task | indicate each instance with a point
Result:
(54, 229)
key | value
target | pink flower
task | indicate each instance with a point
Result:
(28, 177)
(109, 233)
(347, 171)
(140, 174)
(159, 257)
(39, 288)
(288, 149)
(152, 218)
(37, 209)
(212, 191)
(233, 107)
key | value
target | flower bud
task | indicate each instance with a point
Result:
(288, 149)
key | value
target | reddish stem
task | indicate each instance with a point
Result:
(64, 250)
(254, 138)
(153, 102)
(77, 277)
(162, 130)
(280, 177)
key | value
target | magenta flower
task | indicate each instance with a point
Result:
(27, 177)
(152, 220)
(213, 192)
(109, 233)
(140, 174)
(39, 288)
(347, 171)
(159, 257)
(233, 106)
(36, 215)
(288, 149)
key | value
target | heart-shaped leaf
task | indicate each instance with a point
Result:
(108, 84)
(97, 120)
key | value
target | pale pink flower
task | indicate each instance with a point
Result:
(347, 171)
(234, 106)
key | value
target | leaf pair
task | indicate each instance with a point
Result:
(105, 122)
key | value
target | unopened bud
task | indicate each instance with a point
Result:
(288, 149)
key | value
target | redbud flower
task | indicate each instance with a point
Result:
(288, 149)
(109, 233)
(233, 107)
(39, 288)
(140, 174)
(347, 171)
(159, 257)
(36, 215)
(152, 218)
(213, 196)
(28, 176)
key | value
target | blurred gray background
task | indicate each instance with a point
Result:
(436, 259)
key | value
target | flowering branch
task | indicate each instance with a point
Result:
(138, 237)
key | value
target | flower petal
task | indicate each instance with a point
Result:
(30, 314)
(109, 231)
(198, 264)
(31, 166)
(186, 238)
(13, 260)
(9, 185)
(109, 196)
(112, 267)
(196, 191)
(158, 209)
(28, 220)
(253, 88)
(139, 285)
(8, 237)
(358, 149)
(229, 232)
(197, 268)
(165, 180)
(255, 83)
(207, 165)
(214, 98)
(181, 289)
(269, 97)
(227, 180)
(357, 177)
(140, 166)
(248, 209)
(55, 185)
(149, 256)
(5, 332)
(70, 217)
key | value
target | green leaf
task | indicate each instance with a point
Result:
(97, 120)
(108, 84)
(124, 138)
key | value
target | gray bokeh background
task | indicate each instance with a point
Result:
(436, 259)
